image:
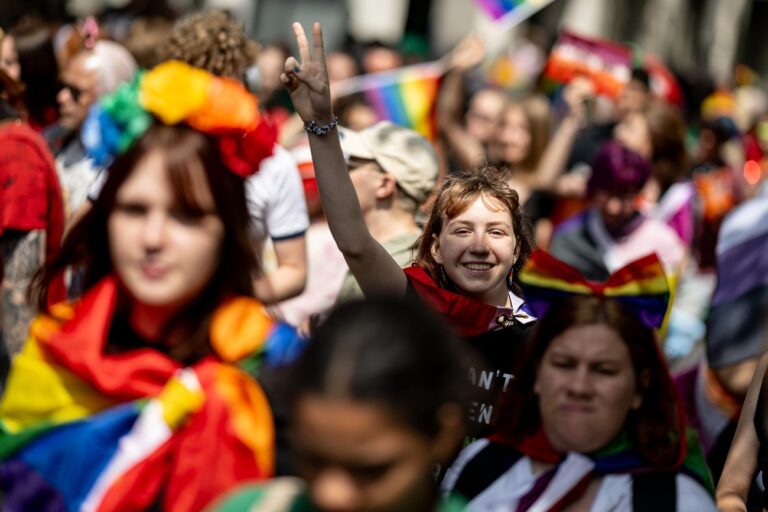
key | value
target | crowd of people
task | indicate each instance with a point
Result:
(228, 286)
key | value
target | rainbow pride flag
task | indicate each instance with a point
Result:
(641, 285)
(405, 96)
(511, 10)
(82, 429)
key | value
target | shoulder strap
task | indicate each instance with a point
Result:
(654, 492)
(484, 469)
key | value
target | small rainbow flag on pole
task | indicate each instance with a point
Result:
(511, 12)
(405, 96)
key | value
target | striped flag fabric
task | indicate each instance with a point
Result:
(736, 322)
(405, 96)
(82, 429)
(511, 12)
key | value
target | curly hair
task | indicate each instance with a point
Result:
(213, 41)
(458, 192)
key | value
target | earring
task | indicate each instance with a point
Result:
(510, 277)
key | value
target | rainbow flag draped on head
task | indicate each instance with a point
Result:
(81, 429)
(405, 96)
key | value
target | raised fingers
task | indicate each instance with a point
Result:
(317, 43)
(301, 42)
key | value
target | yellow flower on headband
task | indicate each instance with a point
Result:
(173, 91)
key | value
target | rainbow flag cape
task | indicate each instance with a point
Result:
(511, 12)
(81, 429)
(405, 96)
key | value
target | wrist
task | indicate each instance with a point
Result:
(320, 128)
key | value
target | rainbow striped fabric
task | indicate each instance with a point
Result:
(84, 430)
(405, 96)
(642, 285)
(498, 9)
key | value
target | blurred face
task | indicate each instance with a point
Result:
(340, 66)
(477, 249)
(9, 59)
(514, 137)
(483, 115)
(356, 456)
(80, 90)
(586, 386)
(633, 133)
(633, 97)
(381, 59)
(271, 64)
(163, 254)
(360, 116)
(366, 176)
(616, 210)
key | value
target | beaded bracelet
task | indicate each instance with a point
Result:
(312, 127)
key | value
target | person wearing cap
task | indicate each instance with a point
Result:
(613, 231)
(393, 170)
(474, 243)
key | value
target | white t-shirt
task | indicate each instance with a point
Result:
(275, 198)
(614, 493)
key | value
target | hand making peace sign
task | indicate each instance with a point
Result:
(307, 81)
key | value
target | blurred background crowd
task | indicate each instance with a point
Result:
(625, 128)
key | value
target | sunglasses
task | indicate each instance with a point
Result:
(74, 91)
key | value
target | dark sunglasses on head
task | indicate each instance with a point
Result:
(74, 91)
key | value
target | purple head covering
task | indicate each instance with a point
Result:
(618, 170)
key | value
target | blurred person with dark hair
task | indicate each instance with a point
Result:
(39, 71)
(592, 420)
(31, 222)
(372, 415)
(9, 57)
(634, 96)
(718, 184)
(355, 112)
(613, 231)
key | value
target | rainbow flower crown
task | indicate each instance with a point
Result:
(175, 92)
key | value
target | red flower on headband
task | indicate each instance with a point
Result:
(244, 152)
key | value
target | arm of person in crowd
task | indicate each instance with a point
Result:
(290, 276)
(552, 163)
(468, 151)
(739, 470)
(307, 81)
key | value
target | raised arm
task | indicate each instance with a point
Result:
(552, 163)
(468, 151)
(739, 470)
(307, 82)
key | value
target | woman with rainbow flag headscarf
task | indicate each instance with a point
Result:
(136, 396)
(592, 421)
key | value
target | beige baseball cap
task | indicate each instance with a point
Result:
(405, 154)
